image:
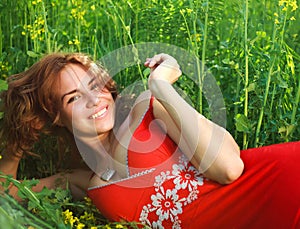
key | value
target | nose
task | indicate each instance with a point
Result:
(93, 100)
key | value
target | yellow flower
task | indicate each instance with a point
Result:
(276, 21)
(293, 18)
(80, 15)
(76, 41)
(68, 217)
(188, 10)
(276, 14)
(93, 7)
(33, 2)
(80, 226)
(74, 12)
(93, 227)
(281, 2)
(87, 200)
(87, 216)
(119, 226)
(293, 4)
(107, 226)
(70, 42)
(73, 220)
(67, 214)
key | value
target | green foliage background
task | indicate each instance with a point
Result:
(251, 48)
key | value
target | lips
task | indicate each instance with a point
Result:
(100, 113)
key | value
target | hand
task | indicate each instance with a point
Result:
(164, 67)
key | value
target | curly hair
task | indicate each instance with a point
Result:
(30, 106)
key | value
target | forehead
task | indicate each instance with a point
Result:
(73, 76)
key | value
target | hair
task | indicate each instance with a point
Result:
(30, 106)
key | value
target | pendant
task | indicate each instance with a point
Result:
(108, 174)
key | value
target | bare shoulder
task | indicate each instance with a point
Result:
(138, 109)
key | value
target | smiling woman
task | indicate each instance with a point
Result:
(165, 164)
(85, 102)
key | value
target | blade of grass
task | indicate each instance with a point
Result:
(246, 10)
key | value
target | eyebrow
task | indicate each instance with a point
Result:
(91, 81)
(76, 90)
(69, 93)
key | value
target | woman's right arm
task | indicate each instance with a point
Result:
(9, 165)
(76, 180)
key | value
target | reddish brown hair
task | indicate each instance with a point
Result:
(31, 107)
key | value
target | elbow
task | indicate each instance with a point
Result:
(233, 172)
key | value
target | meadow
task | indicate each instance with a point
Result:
(251, 48)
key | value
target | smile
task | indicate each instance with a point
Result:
(99, 114)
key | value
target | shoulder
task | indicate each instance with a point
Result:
(136, 113)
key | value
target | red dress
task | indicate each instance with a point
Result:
(164, 190)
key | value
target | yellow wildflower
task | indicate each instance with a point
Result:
(70, 42)
(80, 226)
(276, 14)
(293, 4)
(81, 14)
(74, 12)
(87, 200)
(189, 11)
(68, 217)
(276, 21)
(93, 227)
(33, 2)
(93, 7)
(293, 18)
(119, 226)
(87, 216)
(281, 2)
(76, 41)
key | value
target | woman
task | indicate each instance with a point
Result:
(166, 165)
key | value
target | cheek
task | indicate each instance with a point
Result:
(66, 117)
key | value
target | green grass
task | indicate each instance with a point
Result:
(250, 47)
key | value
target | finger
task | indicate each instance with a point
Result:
(157, 59)
(146, 63)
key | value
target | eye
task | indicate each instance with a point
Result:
(95, 87)
(73, 99)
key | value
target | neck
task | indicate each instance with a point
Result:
(96, 151)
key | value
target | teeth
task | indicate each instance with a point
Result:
(99, 113)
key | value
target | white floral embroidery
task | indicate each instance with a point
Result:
(186, 177)
(160, 179)
(193, 195)
(167, 203)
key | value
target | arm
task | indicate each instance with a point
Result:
(209, 147)
(76, 180)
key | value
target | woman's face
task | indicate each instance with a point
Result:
(87, 108)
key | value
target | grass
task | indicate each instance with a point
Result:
(250, 47)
